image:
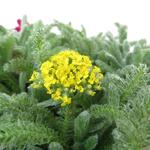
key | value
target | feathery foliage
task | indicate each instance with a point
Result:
(115, 118)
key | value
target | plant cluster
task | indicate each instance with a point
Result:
(102, 82)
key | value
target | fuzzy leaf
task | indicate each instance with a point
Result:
(81, 125)
(55, 146)
(91, 142)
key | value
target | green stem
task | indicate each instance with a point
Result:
(22, 81)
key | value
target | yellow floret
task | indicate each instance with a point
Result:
(34, 76)
(57, 94)
(66, 100)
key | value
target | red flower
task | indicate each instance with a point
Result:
(19, 22)
(18, 28)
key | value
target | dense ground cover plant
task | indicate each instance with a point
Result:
(102, 82)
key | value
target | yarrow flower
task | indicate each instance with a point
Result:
(66, 74)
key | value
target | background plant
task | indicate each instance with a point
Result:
(117, 117)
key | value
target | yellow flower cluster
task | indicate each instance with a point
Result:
(67, 73)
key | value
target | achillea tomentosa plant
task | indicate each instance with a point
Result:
(67, 73)
(103, 85)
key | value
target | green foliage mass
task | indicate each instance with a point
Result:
(116, 118)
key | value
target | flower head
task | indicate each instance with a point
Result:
(68, 73)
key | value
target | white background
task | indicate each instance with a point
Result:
(96, 15)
